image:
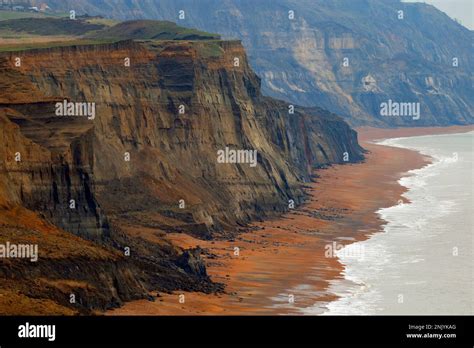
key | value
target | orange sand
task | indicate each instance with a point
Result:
(289, 252)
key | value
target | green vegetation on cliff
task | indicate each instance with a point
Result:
(152, 30)
(101, 29)
(36, 33)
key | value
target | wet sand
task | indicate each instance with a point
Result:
(286, 258)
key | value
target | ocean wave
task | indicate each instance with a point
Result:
(401, 244)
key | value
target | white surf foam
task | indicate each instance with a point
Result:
(397, 269)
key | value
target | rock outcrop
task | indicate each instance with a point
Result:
(158, 127)
(148, 159)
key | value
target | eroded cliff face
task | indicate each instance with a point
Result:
(148, 160)
(172, 153)
(32, 176)
(37, 180)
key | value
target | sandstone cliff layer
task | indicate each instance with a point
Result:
(147, 162)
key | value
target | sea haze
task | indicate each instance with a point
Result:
(422, 260)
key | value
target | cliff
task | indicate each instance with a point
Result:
(302, 60)
(146, 163)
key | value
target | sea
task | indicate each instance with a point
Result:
(421, 263)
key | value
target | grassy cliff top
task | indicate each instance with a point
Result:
(47, 27)
(84, 27)
(152, 30)
(43, 32)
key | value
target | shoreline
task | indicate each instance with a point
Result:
(286, 256)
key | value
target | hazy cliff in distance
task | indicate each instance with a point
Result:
(301, 60)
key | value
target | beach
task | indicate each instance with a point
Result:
(421, 261)
(282, 265)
